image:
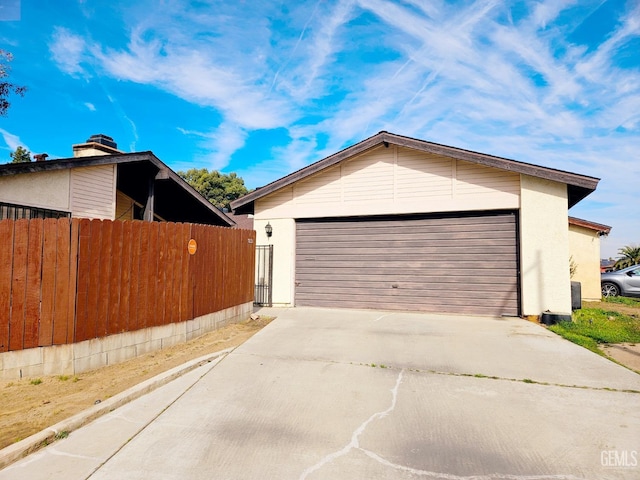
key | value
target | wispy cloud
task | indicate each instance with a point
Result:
(506, 79)
(12, 141)
(68, 50)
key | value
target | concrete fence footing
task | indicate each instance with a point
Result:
(99, 352)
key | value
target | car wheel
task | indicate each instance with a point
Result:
(610, 290)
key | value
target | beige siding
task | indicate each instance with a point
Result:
(418, 178)
(93, 192)
(584, 249)
(124, 207)
(325, 188)
(37, 189)
(394, 180)
(363, 176)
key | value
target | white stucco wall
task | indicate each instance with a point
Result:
(544, 247)
(284, 241)
(38, 189)
(584, 248)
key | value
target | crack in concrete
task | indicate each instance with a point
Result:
(354, 443)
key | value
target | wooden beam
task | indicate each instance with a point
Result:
(148, 208)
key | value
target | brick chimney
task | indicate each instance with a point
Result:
(96, 145)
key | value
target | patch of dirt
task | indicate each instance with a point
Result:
(30, 405)
(627, 354)
(630, 310)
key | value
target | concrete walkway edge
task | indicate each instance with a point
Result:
(12, 453)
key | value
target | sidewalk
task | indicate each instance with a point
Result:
(106, 427)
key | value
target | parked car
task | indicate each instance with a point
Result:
(625, 282)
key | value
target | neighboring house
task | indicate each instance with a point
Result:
(403, 224)
(584, 249)
(607, 265)
(102, 182)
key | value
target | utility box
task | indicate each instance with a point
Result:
(576, 295)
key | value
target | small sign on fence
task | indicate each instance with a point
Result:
(192, 246)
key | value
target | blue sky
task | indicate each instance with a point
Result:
(265, 88)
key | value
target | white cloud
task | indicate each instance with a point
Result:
(90, 106)
(67, 50)
(12, 141)
(331, 72)
(218, 145)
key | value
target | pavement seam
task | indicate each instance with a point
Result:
(21, 449)
(453, 374)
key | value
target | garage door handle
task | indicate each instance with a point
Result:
(394, 285)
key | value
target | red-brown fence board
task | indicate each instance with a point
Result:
(125, 278)
(34, 279)
(6, 279)
(74, 252)
(113, 322)
(135, 277)
(143, 276)
(61, 307)
(184, 273)
(70, 280)
(95, 263)
(152, 277)
(47, 296)
(104, 276)
(82, 281)
(18, 285)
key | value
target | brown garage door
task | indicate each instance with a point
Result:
(458, 263)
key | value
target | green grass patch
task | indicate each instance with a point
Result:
(36, 381)
(632, 302)
(592, 326)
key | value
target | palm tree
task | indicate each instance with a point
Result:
(630, 256)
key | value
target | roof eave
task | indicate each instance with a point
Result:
(97, 160)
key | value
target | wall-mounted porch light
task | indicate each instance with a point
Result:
(268, 229)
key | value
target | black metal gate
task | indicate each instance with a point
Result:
(264, 275)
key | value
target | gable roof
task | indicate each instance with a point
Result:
(174, 200)
(600, 228)
(579, 186)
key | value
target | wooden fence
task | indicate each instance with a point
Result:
(68, 280)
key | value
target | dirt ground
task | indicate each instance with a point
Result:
(627, 354)
(33, 404)
(30, 405)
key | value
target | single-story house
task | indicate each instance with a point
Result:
(400, 223)
(584, 246)
(102, 182)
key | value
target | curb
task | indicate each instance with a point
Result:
(12, 453)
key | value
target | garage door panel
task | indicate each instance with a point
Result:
(415, 272)
(416, 267)
(412, 294)
(404, 237)
(465, 264)
(416, 305)
(405, 245)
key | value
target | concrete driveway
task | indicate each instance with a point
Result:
(343, 394)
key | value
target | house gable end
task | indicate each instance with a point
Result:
(394, 180)
(579, 186)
